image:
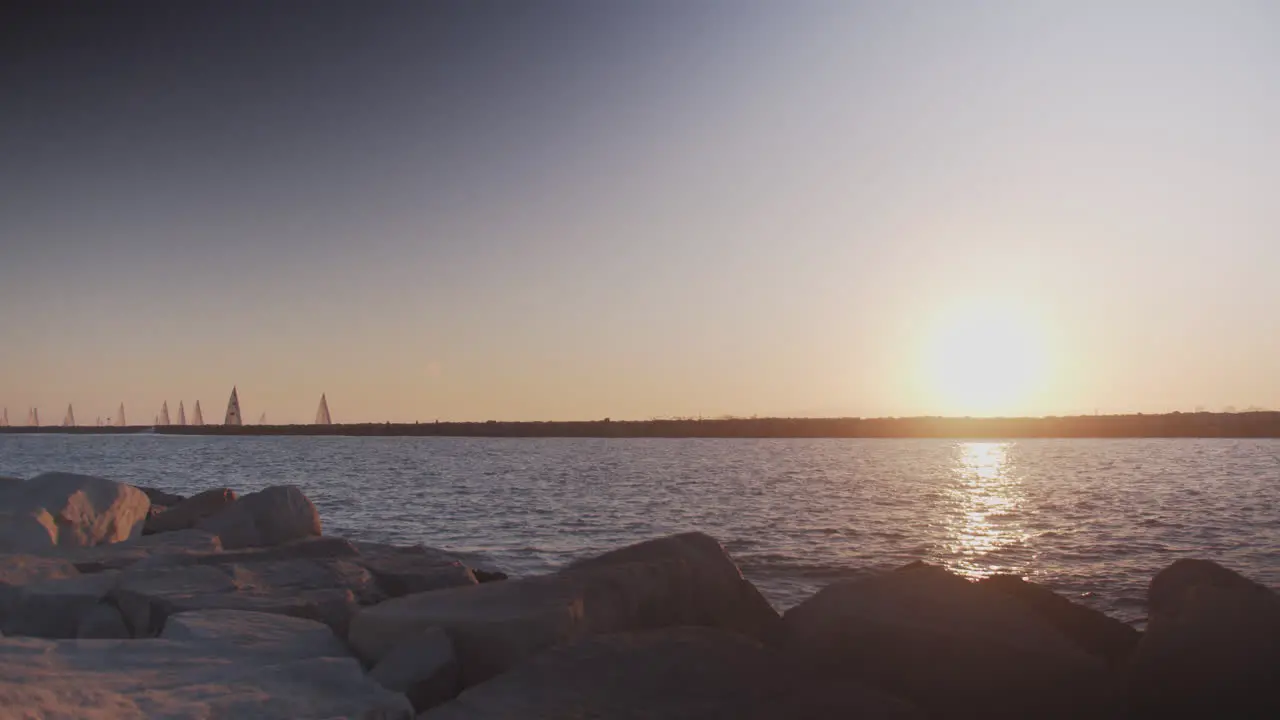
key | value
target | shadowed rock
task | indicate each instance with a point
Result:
(188, 512)
(226, 666)
(1093, 631)
(948, 645)
(53, 608)
(160, 497)
(407, 570)
(684, 580)
(269, 517)
(1212, 646)
(167, 548)
(423, 667)
(102, 621)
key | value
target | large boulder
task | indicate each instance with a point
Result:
(671, 674)
(226, 666)
(329, 591)
(159, 497)
(676, 581)
(1095, 632)
(423, 667)
(1211, 648)
(67, 510)
(949, 645)
(407, 570)
(102, 621)
(188, 512)
(167, 549)
(53, 608)
(267, 517)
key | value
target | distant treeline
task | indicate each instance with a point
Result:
(1172, 425)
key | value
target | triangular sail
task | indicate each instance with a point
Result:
(322, 413)
(164, 414)
(197, 417)
(33, 417)
(120, 416)
(233, 410)
(182, 414)
(4, 421)
(70, 419)
(262, 420)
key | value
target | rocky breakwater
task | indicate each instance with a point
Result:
(122, 602)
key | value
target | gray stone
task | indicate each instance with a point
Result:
(423, 667)
(673, 674)
(165, 549)
(52, 608)
(267, 635)
(160, 497)
(268, 517)
(325, 590)
(407, 570)
(257, 670)
(67, 510)
(103, 622)
(187, 513)
(1092, 631)
(19, 570)
(679, 581)
(1211, 648)
(950, 646)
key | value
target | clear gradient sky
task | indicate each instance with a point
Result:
(555, 210)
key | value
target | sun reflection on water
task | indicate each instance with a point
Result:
(984, 530)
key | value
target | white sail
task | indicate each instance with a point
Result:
(120, 416)
(322, 413)
(4, 421)
(33, 417)
(70, 419)
(197, 417)
(164, 414)
(182, 414)
(233, 410)
(262, 420)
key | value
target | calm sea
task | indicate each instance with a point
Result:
(1090, 518)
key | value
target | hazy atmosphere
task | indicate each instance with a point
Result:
(578, 210)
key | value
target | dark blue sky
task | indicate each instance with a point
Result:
(547, 210)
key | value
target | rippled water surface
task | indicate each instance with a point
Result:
(1090, 518)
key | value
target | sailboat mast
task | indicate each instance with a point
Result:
(233, 410)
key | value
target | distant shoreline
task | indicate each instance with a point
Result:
(1172, 425)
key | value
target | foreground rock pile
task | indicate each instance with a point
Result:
(123, 602)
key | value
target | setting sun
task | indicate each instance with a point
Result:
(985, 361)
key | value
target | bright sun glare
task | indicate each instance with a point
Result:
(985, 361)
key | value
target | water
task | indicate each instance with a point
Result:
(1093, 519)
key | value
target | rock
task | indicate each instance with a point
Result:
(485, 576)
(268, 517)
(1092, 631)
(66, 510)
(671, 582)
(102, 621)
(19, 570)
(187, 513)
(706, 586)
(403, 571)
(165, 549)
(325, 590)
(808, 699)
(947, 645)
(160, 497)
(422, 667)
(672, 674)
(52, 608)
(222, 667)
(268, 635)
(1211, 649)
(1169, 585)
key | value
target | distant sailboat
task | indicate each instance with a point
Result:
(197, 417)
(70, 419)
(182, 414)
(33, 417)
(233, 410)
(164, 414)
(322, 413)
(120, 416)
(262, 420)
(4, 421)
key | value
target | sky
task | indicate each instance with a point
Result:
(576, 210)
